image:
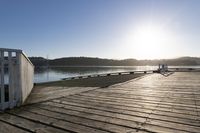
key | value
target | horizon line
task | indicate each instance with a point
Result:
(113, 58)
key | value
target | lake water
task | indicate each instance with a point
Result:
(57, 73)
(54, 74)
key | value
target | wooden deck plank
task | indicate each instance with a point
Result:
(117, 99)
(142, 102)
(7, 128)
(149, 97)
(149, 94)
(56, 123)
(136, 113)
(31, 126)
(44, 94)
(168, 123)
(131, 109)
(76, 117)
(112, 121)
(188, 112)
(153, 103)
(117, 121)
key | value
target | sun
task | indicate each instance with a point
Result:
(147, 42)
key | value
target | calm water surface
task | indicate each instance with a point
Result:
(54, 74)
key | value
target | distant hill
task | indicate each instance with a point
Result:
(88, 61)
(38, 61)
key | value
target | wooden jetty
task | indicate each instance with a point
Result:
(149, 104)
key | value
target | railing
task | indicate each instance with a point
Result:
(16, 78)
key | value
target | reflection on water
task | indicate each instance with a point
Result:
(53, 74)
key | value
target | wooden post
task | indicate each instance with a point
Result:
(2, 81)
(11, 79)
(19, 85)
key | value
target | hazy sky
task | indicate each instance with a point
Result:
(118, 29)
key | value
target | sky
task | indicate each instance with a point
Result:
(114, 29)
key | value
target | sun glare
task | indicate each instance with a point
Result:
(147, 42)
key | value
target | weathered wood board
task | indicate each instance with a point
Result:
(154, 103)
